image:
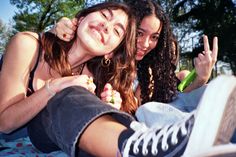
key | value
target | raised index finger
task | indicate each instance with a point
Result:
(206, 43)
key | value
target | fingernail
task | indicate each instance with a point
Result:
(105, 88)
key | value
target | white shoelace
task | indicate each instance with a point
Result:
(144, 134)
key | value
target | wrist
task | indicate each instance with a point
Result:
(201, 80)
(49, 88)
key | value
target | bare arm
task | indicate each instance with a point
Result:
(15, 108)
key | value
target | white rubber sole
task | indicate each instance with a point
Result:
(215, 117)
(226, 150)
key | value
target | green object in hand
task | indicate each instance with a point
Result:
(188, 79)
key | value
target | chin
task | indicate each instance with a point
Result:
(138, 58)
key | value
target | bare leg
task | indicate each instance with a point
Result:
(101, 134)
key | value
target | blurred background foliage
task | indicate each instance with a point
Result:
(190, 20)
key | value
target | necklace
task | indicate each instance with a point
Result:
(79, 70)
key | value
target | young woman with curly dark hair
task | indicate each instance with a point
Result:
(155, 56)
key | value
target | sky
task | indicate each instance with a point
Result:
(6, 11)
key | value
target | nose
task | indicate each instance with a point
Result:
(104, 27)
(145, 42)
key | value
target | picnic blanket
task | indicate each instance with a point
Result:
(22, 147)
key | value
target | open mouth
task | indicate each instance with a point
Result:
(140, 52)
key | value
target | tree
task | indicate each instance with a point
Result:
(89, 3)
(214, 18)
(5, 34)
(36, 15)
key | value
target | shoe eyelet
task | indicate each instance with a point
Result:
(174, 142)
(165, 147)
(183, 133)
(136, 151)
(154, 152)
(145, 152)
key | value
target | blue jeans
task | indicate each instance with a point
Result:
(61, 123)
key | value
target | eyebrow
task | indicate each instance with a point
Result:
(119, 24)
(146, 31)
(122, 27)
(110, 12)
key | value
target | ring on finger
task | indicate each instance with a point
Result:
(89, 80)
(112, 101)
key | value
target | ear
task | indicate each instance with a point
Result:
(80, 20)
(74, 21)
(109, 55)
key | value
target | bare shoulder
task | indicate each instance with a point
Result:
(182, 74)
(19, 58)
(23, 46)
(24, 39)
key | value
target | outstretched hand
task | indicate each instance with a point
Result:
(206, 60)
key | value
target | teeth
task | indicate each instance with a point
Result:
(97, 34)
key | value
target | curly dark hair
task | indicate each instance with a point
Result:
(159, 84)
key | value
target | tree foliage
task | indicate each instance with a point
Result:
(5, 34)
(214, 18)
(36, 15)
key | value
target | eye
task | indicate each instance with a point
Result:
(104, 15)
(139, 33)
(118, 31)
(155, 38)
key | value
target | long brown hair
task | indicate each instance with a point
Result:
(122, 70)
(160, 84)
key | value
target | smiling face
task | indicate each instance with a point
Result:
(102, 31)
(148, 35)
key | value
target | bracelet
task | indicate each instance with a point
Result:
(50, 91)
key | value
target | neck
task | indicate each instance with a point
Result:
(78, 54)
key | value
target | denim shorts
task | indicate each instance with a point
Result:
(61, 123)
